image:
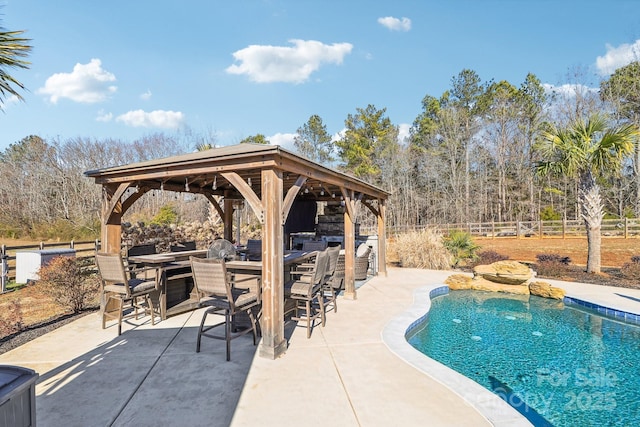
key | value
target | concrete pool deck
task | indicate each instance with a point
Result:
(348, 373)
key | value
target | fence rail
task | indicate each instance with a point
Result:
(621, 228)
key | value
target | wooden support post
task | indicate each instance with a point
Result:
(273, 340)
(382, 238)
(349, 255)
(626, 228)
(111, 229)
(228, 219)
(540, 229)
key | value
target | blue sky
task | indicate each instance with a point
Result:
(124, 69)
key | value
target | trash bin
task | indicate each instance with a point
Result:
(17, 396)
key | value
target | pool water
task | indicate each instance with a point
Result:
(557, 365)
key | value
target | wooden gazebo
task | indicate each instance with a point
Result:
(269, 178)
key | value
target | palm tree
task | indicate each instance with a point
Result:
(13, 48)
(586, 149)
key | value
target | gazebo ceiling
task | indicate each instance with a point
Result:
(210, 172)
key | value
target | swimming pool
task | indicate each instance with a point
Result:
(570, 366)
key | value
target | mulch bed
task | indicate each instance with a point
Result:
(19, 338)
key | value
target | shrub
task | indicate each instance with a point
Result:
(551, 258)
(421, 249)
(70, 282)
(552, 265)
(631, 270)
(167, 215)
(461, 246)
(550, 214)
(11, 320)
(488, 257)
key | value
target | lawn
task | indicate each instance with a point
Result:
(615, 251)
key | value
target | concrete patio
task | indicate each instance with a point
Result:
(348, 374)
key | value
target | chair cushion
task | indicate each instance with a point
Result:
(214, 301)
(246, 298)
(301, 288)
(362, 250)
(139, 285)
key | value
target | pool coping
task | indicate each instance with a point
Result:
(489, 405)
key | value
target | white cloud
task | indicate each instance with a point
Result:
(285, 140)
(8, 102)
(617, 57)
(104, 117)
(87, 83)
(403, 132)
(568, 89)
(146, 96)
(154, 119)
(294, 64)
(395, 24)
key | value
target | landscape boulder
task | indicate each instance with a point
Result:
(479, 283)
(457, 282)
(545, 290)
(505, 272)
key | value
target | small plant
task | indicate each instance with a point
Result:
(631, 270)
(167, 215)
(421, 249)
(553, 258)
(461, 246)
(552, 265)
(70, 282)
(11, 320)
(488, 257)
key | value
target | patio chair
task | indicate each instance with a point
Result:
(334, 277)
(137, 250)
(314, 245)
(218, 292)
(307, 288)
(362, 262)
(119, 286)
(254, 249)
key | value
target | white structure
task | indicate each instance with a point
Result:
(29, 262)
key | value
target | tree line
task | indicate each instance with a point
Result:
(473, 154)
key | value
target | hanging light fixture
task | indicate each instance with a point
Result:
(215, 182)
(249, 181)
(186, 184)
(161, 185)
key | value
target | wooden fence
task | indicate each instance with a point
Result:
(621, 228)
